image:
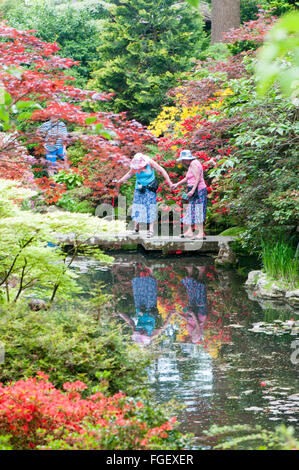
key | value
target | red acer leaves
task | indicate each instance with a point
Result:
(32, 73)
(254, 30)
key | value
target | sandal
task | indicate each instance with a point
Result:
(150, 234)
(187, 236)
(134, 232)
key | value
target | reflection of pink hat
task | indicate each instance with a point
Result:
(141, 339)
(139, 161)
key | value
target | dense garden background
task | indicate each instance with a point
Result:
(151, 76)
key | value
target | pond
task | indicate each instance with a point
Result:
(198, 319)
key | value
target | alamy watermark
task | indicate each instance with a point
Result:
(2, 353)
(170, 217)
(295, 353)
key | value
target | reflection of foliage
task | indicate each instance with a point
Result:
(254, 438)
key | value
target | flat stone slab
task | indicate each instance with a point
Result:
(156, 243)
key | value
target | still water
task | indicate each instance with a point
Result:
(198, 319)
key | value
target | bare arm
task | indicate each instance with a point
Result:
(127, 319)
(184, 180)
(126, 177)
(161, 170)
(159, 330)
(197, 173)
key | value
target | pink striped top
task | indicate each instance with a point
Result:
(191, 177)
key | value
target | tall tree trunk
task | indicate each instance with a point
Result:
(225, 15)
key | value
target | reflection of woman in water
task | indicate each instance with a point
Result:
(146, 323)
(196, 312)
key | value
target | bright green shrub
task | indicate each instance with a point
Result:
(70, 344)
(76, 153)
(72, 180)
(70, 27)
(261, 189)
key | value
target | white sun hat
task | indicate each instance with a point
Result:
(185, 155)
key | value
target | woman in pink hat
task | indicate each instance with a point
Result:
(197, 195)
(144, 208)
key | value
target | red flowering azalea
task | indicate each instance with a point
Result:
(32, 409)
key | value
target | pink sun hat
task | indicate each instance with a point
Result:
(141, 339)
(140, 160)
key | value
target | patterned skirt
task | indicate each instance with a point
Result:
(197, 208)
(197, 295)
(144, 209)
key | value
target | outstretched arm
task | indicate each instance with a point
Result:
(182, 181)
(159, 330)
(127, 319)
(161, 170)
(126, 177)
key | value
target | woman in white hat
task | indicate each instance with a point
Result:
(197, 195)
(144, 208)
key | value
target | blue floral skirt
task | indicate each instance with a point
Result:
(197, 295)
(197, 208)
(144, 209)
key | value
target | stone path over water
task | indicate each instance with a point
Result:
(212, 244)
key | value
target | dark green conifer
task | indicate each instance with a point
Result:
(145, 45)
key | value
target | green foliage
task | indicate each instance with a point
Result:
(71, 204)
(144, 48)
(76, 153)
(249, 8)
(193, 3)
(254, 438)
(279, 7)
(70, 27)
(218, 51)
(72, 180)
(30, 259)
(280, 261)
(71, 343)
(261, 189)
(233, 231)
(279, 58)
(4, 443)
(12, 114)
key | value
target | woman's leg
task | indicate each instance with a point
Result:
(189, 232)
(187, 225)
(152, 215)
(200, 231)
(201, 213)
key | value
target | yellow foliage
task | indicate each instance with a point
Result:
(171, 118)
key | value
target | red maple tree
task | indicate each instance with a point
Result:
(34, 77)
